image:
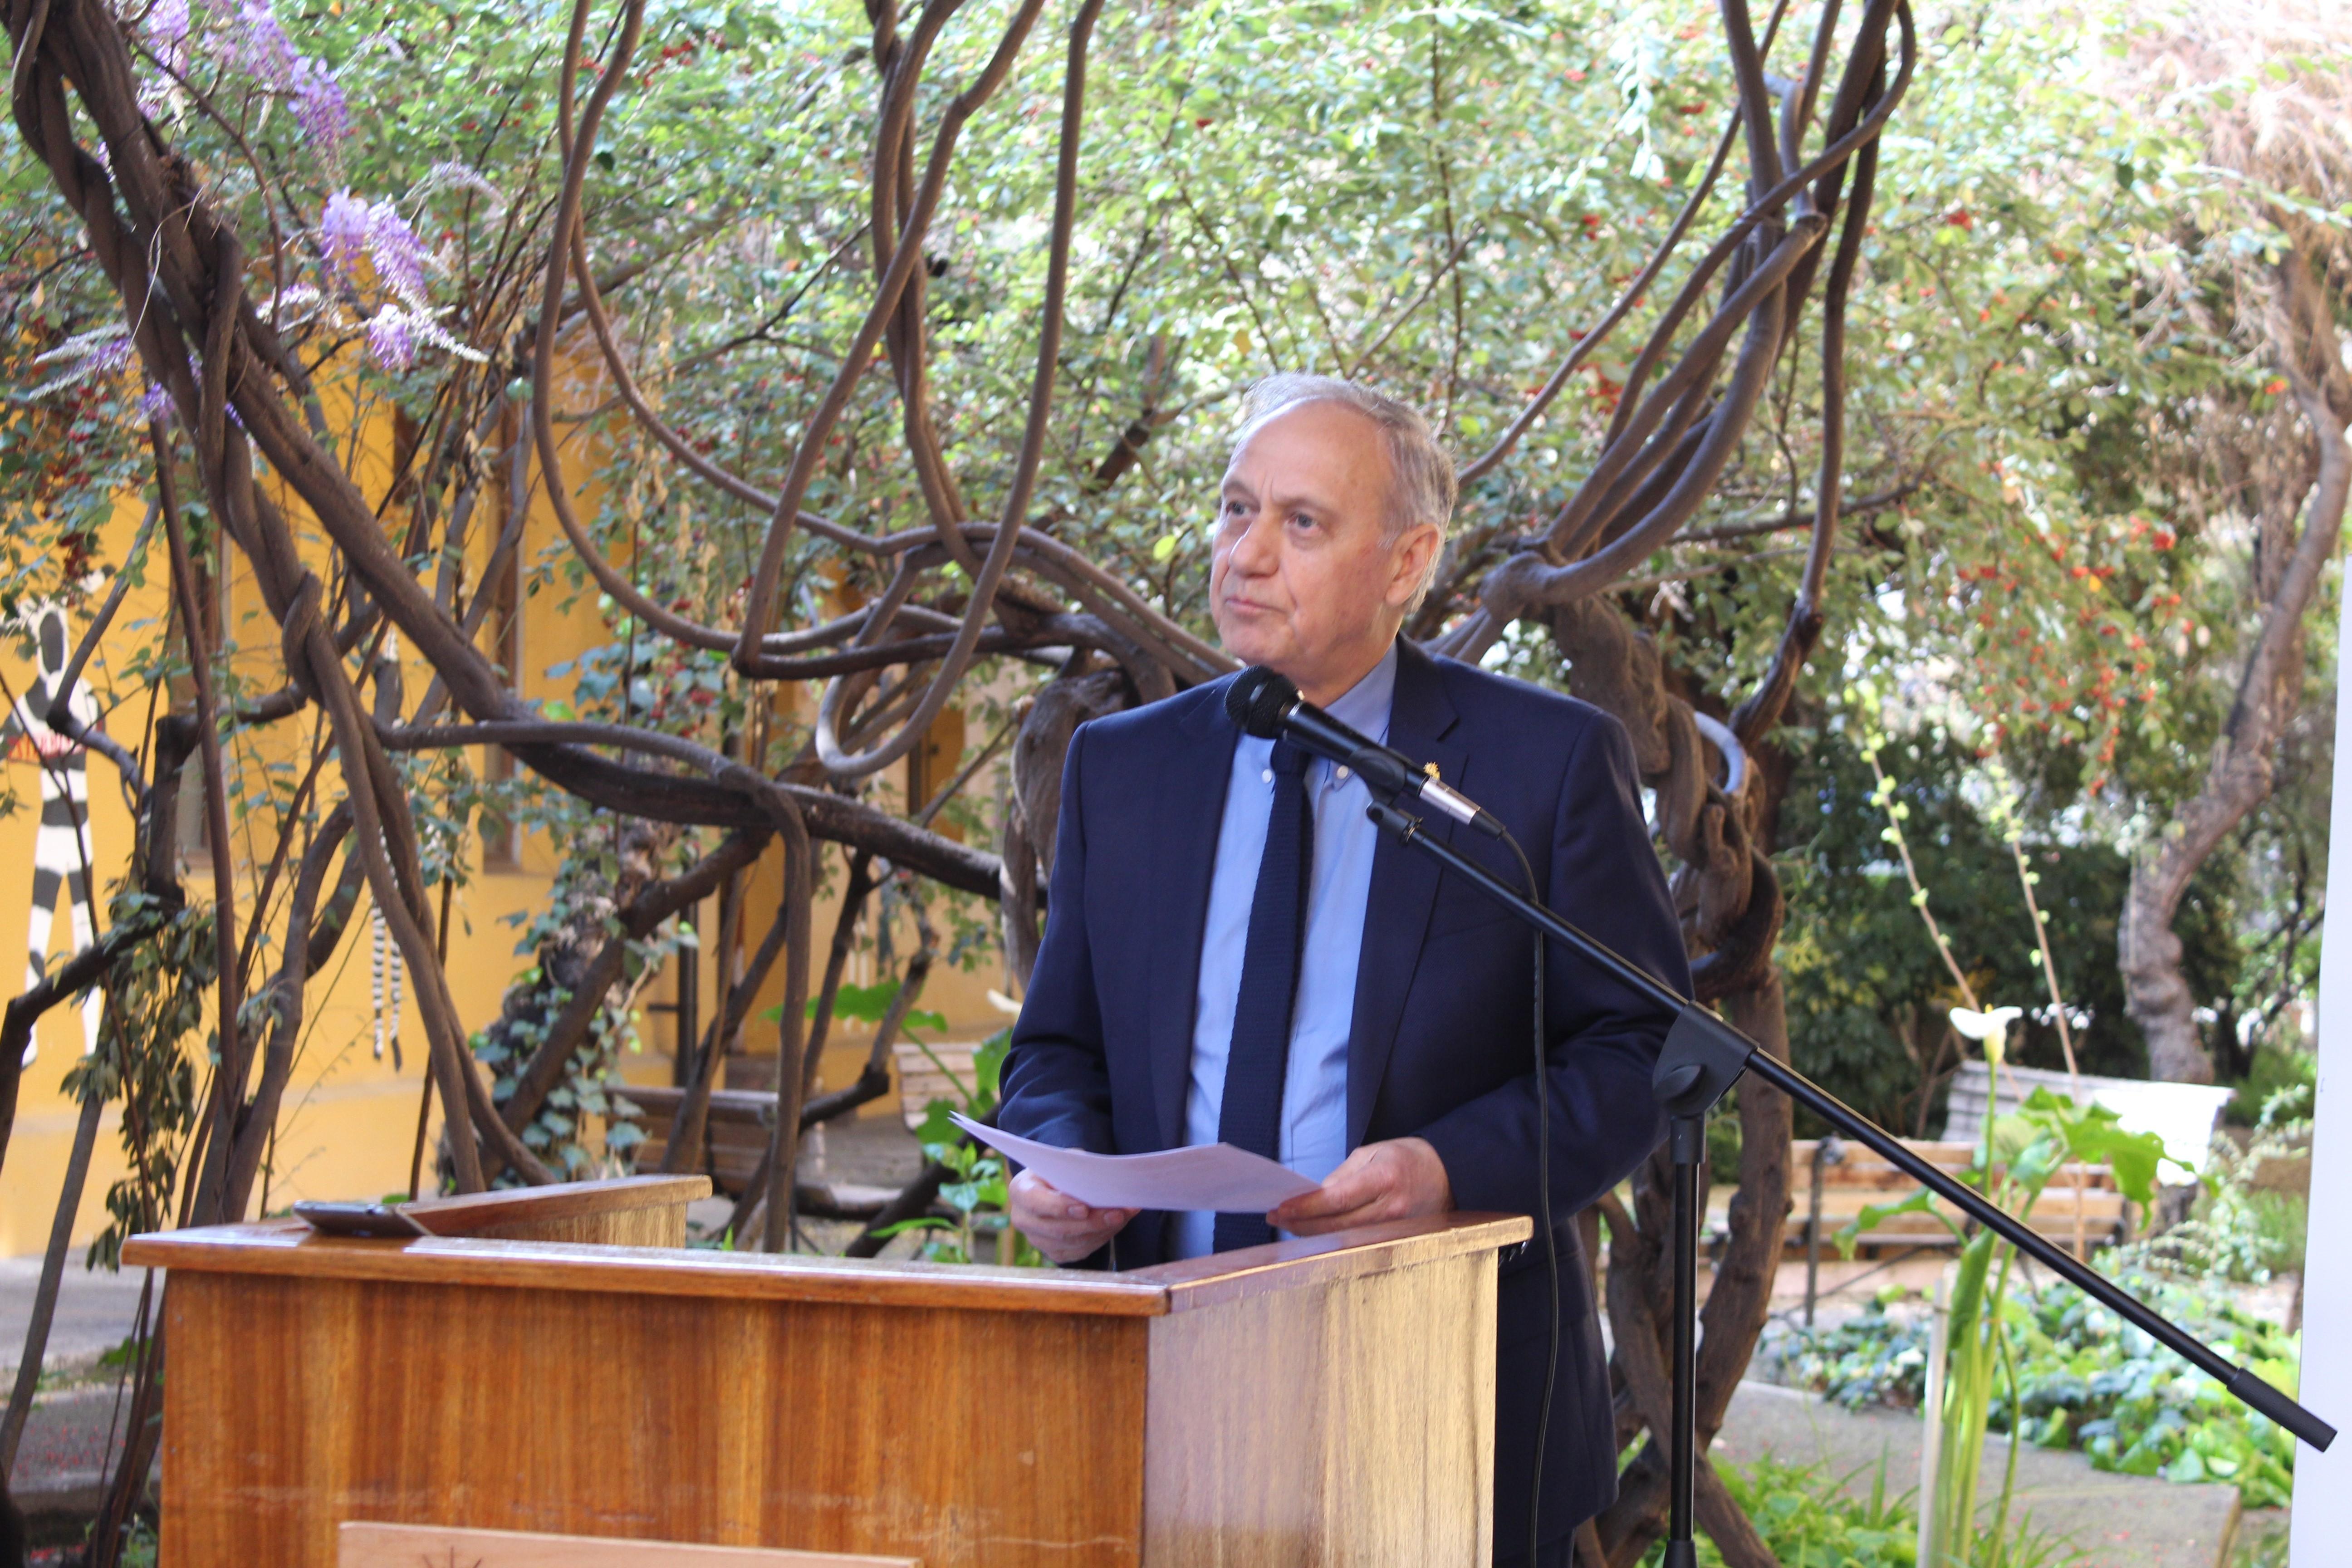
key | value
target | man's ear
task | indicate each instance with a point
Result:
(1408, 563)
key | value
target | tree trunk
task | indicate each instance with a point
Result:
(1731, 907)
(2238, 778)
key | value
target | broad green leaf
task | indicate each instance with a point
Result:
(1872, 1215)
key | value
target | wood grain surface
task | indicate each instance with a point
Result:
(1197, 1282)
(290, 1248)
(625, 1211)
(436, 1546)
(1315, 1402)
(963, 1437)
(1349, 1423)
(293, 1251)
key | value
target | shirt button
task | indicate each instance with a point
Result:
(1268, 776)
(1343, 772)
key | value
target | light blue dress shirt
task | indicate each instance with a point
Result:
(1314, 1082)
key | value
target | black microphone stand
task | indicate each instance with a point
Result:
(1701, 1057)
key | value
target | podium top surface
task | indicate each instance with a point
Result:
(290, 1248)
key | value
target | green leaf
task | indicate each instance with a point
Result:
(939, 1128)
(1872, 1215)
(2133, 1156)
(2094, 1135)
(921, 1222)
(987, 1067)
(862, 1004)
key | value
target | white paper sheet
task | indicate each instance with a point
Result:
(1207, 1176)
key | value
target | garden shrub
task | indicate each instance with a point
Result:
(2087, 1380)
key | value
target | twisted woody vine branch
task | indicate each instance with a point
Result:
(240, 403)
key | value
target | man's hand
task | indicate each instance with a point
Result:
(1399, 1179)
(1057, 1224)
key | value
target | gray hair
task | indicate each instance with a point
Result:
(1421, 476)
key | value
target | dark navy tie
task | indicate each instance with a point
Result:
(1251, 1116)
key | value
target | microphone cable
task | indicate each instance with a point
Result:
(1543, 1219)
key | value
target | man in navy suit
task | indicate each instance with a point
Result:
(1233, 951)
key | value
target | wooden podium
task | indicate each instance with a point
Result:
(1322, 1402)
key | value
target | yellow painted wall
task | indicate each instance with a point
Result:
(960, 995)
(350, 1120)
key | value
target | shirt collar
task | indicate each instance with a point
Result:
(1364, 707)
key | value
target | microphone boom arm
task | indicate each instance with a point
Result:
(1704, 1056)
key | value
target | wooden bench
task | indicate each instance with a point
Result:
(922, 1081)
(735, 1147)
(742, 1112)
(1863, 1178)
(2182, 1114)
(740, 1118)
(735, 1130)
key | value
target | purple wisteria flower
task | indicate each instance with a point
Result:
(196, 375)
(320, 108)
(398, 334)
(399, 256)
(86, 356)
(167, 32)
(260, 46)
(392, 340)
(108, 359)
(155, 402)
(343, 235)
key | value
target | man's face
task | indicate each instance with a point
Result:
(1301, 579)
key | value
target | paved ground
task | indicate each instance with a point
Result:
(62, 1462)
(871, 1150)
(2114, 1521)
(94, 1312)
(2262, 1539)
(68, 1443)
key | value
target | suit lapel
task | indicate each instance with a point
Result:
(1189, 808)
(1404, 887)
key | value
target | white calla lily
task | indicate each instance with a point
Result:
(1989, 1027)
(1984, 1025)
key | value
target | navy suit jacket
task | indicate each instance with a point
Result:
(1441, 1044)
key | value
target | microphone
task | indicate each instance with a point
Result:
(1266, 705)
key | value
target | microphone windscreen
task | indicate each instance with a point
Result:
(1257, 701)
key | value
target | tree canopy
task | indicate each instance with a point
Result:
(1815, 377)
